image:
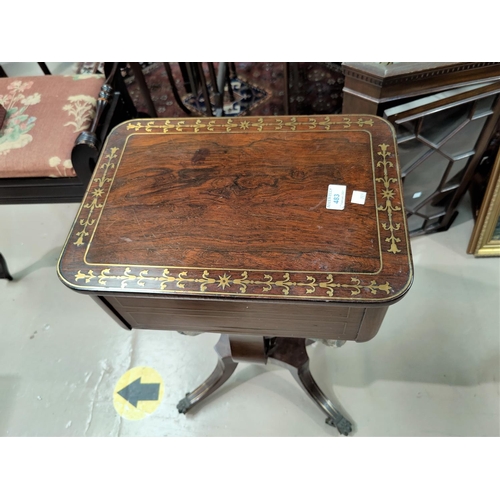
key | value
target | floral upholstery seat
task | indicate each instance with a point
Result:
(45, 115)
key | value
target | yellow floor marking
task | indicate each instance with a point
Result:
(138, 393)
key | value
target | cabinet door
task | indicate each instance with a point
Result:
(441, 139)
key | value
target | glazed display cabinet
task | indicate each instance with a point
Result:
(444, 116)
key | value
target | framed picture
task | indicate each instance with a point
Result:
(485, 240)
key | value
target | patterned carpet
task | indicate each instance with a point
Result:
(314, 88)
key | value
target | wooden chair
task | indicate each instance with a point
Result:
(53, 132)
(211, 102)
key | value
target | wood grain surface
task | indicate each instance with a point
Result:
(237, 208)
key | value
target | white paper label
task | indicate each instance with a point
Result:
(336, 197)
(358, 197)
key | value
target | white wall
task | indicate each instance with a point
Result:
(32, 68)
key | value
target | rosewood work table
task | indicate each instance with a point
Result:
(272, 231)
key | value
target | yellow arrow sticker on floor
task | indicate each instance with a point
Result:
(138, 393)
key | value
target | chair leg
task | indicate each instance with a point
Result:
(229, 86)
(233, 70)
(221, 77)
(173, 86)
(185, 77)
(139, 76)
(44, 68)
(4, 271)
(204, 89)
(286, 97)
(216, 91)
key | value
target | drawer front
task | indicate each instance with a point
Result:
(306, 320)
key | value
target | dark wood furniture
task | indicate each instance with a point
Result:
(114, 106)
(143, 88)
(248, 227)
(444, 115)
(208, 92)
(4, 270)
(3, 113)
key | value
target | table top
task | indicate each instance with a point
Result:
(289, 208)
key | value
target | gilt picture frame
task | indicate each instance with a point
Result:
(485, 239)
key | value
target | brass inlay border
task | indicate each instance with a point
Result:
(230, 124)
(201, 280)
(388, 194)
(96, 194)
(267, 282)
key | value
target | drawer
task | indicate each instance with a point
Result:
(291, 319)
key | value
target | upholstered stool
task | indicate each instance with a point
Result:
(45, 115)
(52, 132)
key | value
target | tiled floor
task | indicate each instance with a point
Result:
(432, 370)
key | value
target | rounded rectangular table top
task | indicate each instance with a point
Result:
(305, 207)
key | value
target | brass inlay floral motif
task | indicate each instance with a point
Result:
(292, 124)
(148, 127)
(346, 122)
(222, 280)
(388, 194)
(97, 193)
(260, 124)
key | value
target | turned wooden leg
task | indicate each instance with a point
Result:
(4, 271)
(291, 354)
(224, 369)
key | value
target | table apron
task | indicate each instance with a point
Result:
(273, 319)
